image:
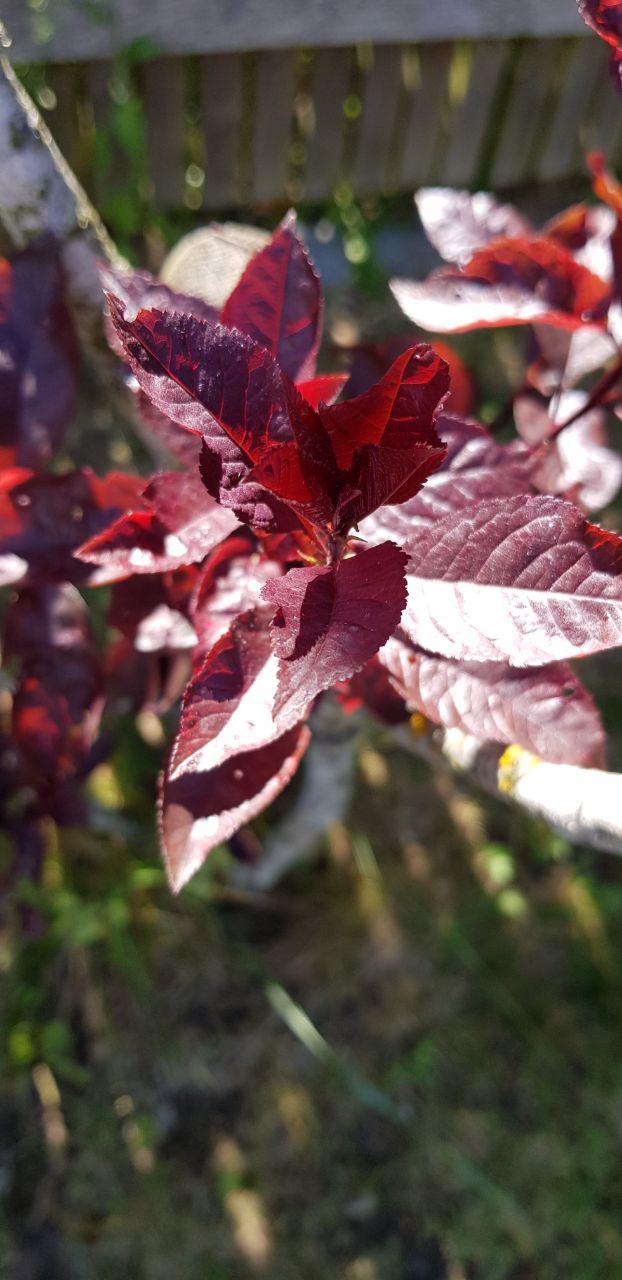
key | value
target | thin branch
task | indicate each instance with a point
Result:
(584, 805)
(596, 397)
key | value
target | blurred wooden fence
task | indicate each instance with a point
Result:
(263, 101)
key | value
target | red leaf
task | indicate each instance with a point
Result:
(586, 231)
(331, 620)
(544, 709)
(383, 475)
(229, 703)
(200, 810)
(524, 580)
(385, 438)
(45, 518)
(278, 302)
(325, 389)
(244, 490)
(370, 360)
(605, 185)
(509, 282)
(476, 468)
(180, 525)
(38, 355)
(459, 222)
(396, 412)
(217, 383)
(371, 687)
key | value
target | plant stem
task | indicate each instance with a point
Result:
(596, 397)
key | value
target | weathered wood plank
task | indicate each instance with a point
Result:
(469, 119)
(329, 88)
(380, 105)
(80, 31)
(62, 117)
(108, 164)
(275, 86)
(423, 130)
(221, 110)
(523, 122)
(564, 149)
(163, 86)
(603, 129)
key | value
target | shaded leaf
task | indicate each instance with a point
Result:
(330, 620)
(55, 712)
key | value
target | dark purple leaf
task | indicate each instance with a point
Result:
(56, 703)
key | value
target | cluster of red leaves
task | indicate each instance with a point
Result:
(381, 543)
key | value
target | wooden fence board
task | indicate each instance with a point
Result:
(163, 83)
(275, 87)
(562, 154)
(221, 112)
(380, 105)
(330, 80)
(108, 165)
(523, 122)
(423, 130)
(603, 130)
(470, 118)
(81, 31)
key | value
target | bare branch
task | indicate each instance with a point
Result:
(323, 799)
(584, 805)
